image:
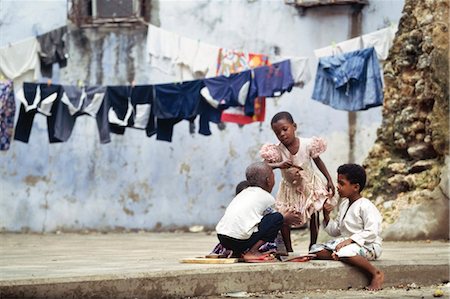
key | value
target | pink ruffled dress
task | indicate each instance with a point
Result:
(302, 191)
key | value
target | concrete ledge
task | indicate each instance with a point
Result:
(147, 266)
(212, 281)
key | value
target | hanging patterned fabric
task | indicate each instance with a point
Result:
(230, 62)
(7, 111)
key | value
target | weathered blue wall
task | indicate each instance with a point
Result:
(137, 182)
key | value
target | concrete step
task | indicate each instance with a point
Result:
(118, 266)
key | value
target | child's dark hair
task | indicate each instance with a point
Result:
(355, 174)
(241, 186)
(282, 115)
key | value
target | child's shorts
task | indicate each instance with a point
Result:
(370, 252)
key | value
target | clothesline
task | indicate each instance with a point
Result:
(380, 39)
(235, 93)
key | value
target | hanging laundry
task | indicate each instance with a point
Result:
(208, 112)
(231, 61)
(162, 47)
(349, 81)
(274, 80)
(340, 48)
(381, 40)
(36, 98)
(236, 114)
(7, 112)
(300, 71)
(183, 63)
(20, 61)
(233, 91)
(182, 57)
(173, 103)
(131, 106)
(205, 61)
(78, 101)
(53, 50)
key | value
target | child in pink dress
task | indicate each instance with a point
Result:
(301, 189)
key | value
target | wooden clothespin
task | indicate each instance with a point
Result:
(133, 83)
(49, 82)
(80, 83)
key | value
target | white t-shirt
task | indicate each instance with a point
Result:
(244, 213)
(361, 223)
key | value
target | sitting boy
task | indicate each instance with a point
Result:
(249, 220)
(358, 225)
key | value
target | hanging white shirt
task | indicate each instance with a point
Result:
(205, 61)
(19, 58)
(162, 47)
(244, 213)
(185, 59)
(360, 222)
(381, 40)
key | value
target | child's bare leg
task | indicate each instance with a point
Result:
(286, 234)
(314, 229)
(324, 255)
(377, 277)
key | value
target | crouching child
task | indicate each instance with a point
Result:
(249, 220)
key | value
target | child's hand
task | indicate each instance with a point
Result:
(334, 256)
(290, 217)
(327, 208)
(343, 244)
(285, 164)
(330, 188)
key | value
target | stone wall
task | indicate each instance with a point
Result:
(408, 165)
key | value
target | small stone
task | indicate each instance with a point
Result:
(421, 165)
(398, 168)
(421, 151)
(424, 61)
(398, 183)
(378, 200)
(438, 293)
(196, 228)
(427, 20)
(388, 204)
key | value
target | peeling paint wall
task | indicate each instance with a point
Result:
(136, 182)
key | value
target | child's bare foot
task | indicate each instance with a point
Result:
(258, 257)
(250, 255)
(377, 282)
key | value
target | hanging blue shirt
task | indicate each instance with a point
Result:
(274, 80)
(349, 81)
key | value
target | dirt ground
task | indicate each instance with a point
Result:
(410, 291)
